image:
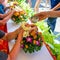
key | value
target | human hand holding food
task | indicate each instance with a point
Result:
(39, 16)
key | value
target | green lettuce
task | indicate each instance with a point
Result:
(49, 38)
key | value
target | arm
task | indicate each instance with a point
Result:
(6, 8)
(12, 35)
(3, 22)
(37, 5)
(47, 1)
(53, 14)
(5, 2)
(4, 15)
(14, 52)
(43, 15)
(56, 7)
(29, 1)
(47, 14)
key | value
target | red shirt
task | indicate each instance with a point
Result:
(4, 43)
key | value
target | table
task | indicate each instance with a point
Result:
(43, 54)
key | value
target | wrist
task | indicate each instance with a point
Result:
(48, 14)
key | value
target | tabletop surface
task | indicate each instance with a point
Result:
(43, 54)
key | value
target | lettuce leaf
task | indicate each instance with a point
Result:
(49, 38)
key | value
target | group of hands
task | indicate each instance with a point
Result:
(40, 16)
(33, 27)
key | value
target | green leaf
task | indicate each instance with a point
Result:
(58, 57)
(49, 38)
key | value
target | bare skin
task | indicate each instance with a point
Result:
(15, 50)
(43, 15)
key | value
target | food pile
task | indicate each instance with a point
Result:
(32, 39)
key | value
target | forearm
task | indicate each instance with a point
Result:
(13, 54)
(37, 3)
(56, 7)
(53, 14)
(11, 35)
(7, 18)
(36, 8)
(5, 2)
(6, 14)
(29, 1)
(47, 1)
(6, 8)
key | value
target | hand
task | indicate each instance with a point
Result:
(13, 10)
(39, 16)
(36, 9)
(19, 29)
(42, 15)
(20, 35)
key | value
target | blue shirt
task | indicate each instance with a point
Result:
(54, 3)
(1, 9)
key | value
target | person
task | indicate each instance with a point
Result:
(32, 3)
(29, 1)
(52, 21)
(56, 7)
(6, 37)
(15, 50)
(45, 14)
(5, 2)
(36, 7)
(4, 17)
(37, 4)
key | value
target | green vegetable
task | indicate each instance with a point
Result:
(25, 6)
(58, 57)
(28, 10)
(50, 38)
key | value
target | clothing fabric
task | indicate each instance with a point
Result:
(52, 21)
(54, 3)
(1, 9)
(4, 46)
(2, 33)
(3, 43)
(3, 55)
(3, 27)
(33, 3)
